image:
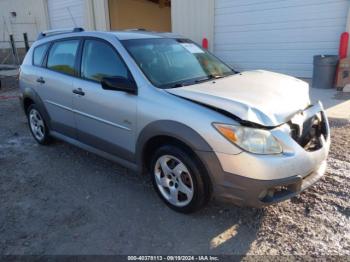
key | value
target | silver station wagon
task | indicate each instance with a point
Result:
(161, 105)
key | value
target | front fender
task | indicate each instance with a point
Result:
(171, 129)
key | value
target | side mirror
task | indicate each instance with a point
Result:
(119, 84)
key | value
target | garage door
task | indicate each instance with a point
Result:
(66, 13)
(278, 35)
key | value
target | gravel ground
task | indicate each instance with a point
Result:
(62, 200)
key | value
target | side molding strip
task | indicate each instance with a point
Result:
(89, 116)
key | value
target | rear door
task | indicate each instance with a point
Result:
(106, 119)
(56, 84)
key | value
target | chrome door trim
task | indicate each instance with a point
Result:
(89, 116)
(59, 105)
(101, 120)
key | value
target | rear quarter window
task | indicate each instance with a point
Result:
(39, 53)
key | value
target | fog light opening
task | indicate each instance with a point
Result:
(267, 195)
(275, 193)
(263, 194)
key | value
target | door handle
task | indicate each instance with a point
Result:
(41, 80)
(79, 91)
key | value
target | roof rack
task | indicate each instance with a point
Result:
(136, 29)
(59, 31)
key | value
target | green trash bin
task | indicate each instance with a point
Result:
(325, 67)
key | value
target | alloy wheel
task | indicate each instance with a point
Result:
(174, 180)
(37, 124)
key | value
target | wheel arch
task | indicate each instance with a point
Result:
(27, 102)
(168, 132)
(30, 96)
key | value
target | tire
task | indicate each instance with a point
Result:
(37, 125)
(177, 174)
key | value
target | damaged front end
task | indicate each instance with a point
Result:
(306, 124)
(310, 128)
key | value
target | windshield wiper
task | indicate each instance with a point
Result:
(197, 81)
(182, 84)
(208, 78)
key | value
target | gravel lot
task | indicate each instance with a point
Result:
(63, 200)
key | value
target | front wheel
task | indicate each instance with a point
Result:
(179, 179)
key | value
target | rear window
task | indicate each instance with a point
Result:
(62, 56)
(39, 53)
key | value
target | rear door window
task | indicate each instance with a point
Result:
(39, 53)
(62, 56)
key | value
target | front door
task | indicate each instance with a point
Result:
(106, 119)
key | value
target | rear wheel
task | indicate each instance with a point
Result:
(37, 125)
(178, 179)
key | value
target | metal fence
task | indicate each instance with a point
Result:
(12, 52)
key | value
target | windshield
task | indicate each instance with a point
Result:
(170, 63)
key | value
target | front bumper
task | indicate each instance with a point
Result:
(257, 180)
(244, 191)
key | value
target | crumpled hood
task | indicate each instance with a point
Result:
(261, 97)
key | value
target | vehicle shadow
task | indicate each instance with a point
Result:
(74, 202)
(218, 229)
(150, 227)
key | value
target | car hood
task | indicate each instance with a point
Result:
(261, 97)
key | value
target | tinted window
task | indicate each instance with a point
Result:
(62, 56)
(101, 60)
(39, 53)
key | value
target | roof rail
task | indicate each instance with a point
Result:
(136, 29)
(59, 31)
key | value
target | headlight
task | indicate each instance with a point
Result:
(253, 140)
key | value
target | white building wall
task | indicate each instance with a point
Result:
(31, 18)
(35, 16)
(281, 36)
(97, 15)
(66, 13)
(194, 19)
